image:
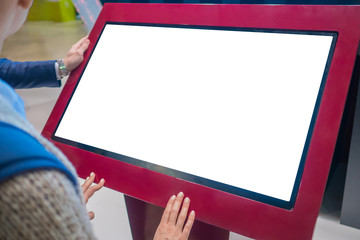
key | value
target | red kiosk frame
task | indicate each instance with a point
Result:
(241, 215)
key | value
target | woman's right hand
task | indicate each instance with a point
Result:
(172, 226)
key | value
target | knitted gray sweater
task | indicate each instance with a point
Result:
(42, 204)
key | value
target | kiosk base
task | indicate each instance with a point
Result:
(145, 217)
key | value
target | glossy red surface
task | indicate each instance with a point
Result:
(234, 213)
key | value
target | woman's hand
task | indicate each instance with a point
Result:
(89, 190)
(171, 226)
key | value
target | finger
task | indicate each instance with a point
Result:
(96, 187)
(90, 191)
(183, 213)
(189, 224)
(84, 46)
(166, 214)
(91, 215)
(79, 43)
(88, 182)
(175, 209)
(84, 38)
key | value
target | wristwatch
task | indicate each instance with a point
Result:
(63, 72)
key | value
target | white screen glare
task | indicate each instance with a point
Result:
(231, 106)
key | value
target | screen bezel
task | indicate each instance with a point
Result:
(241, 215)
(201, 180)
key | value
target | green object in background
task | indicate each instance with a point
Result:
(52, 10)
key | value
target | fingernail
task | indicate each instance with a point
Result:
(173, 197)
(192, 213)
(87, 178)
(186, 200)
(102, 180)
(92, 174)
(180, 194)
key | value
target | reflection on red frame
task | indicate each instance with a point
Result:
(239, 214)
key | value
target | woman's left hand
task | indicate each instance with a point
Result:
(89, 190)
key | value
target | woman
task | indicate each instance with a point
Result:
(40, 197)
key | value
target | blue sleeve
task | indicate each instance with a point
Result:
(29, 74)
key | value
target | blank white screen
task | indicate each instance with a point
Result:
(230, 106)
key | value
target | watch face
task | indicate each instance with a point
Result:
(62, 68)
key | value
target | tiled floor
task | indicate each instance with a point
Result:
(46, 40)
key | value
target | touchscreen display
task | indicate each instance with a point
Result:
(231, 109)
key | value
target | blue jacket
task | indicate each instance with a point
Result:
(29, 74)
(20, 152)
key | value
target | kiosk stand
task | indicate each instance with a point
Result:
(350, 211)
(237, 106)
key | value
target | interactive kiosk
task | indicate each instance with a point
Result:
(238, 106)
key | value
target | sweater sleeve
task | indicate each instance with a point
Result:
(29, 74)
(42, 205)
